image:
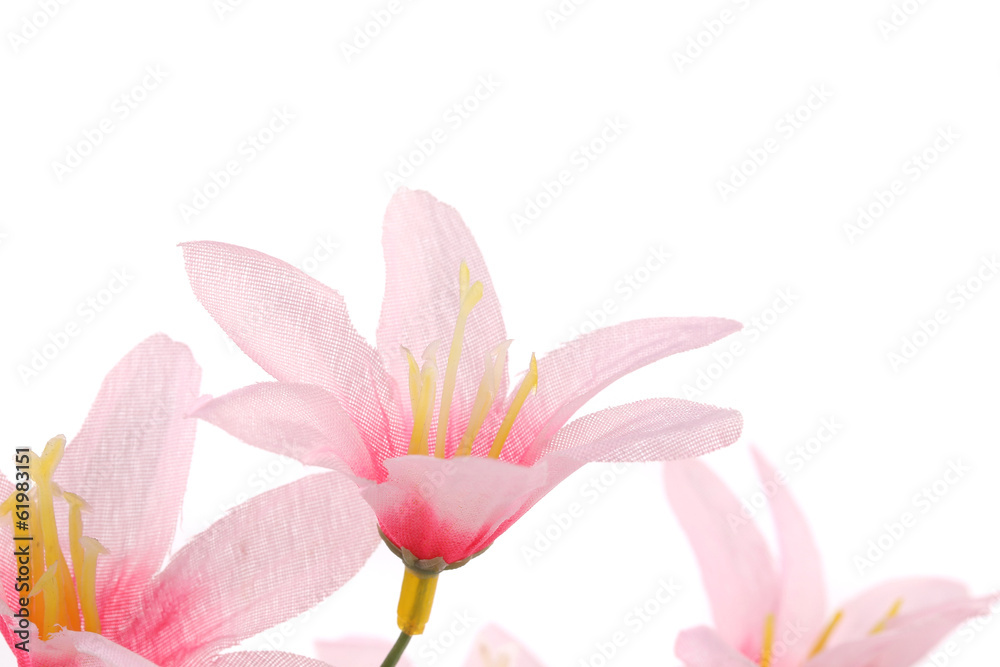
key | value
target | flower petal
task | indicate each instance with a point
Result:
(449, 508)
(803, 595)
(493, 647)
(356, 652)
(89, 649)
(130, 462)
(425, 241)
(302, 421)
(906, 639)
(573, 374)
(703, 647)
(271, 558)
(276, 659)
(296, 328)
(736, 566)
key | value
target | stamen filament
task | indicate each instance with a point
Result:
(765, 654)
(48, 586)
(424, 404)
(528, 385)
(880, 626)
(470, 296)
(86, 578)
(484, 397)
(825, 636)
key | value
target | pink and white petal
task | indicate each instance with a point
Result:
(303, 421)
(425, 241)
(273, 557)
(130, 462)
(906, 639)
(495, 648)
(803, 593)
(87, 649)
(736, 567)
(296, 328)
(356, 652)
(449, 508)
(571, 375)
(865, 611)
(275, 659)
(703, 647)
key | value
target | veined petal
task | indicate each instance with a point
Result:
(906, 638)
(302, 421)
(571, 375)
(803, 595)
(296, 328)
(736, 567)
(495, 648)
(273, 557)
(425, 241)
(356, 652)
(278, 659)
(130, 462)
(703, 647)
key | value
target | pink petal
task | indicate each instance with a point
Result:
(573, 374)
(736, 566)
(271, 558)
(863, 612)
(425, 242)
(130, 462)
(494, 647)
(295, 327)
(450, 508)
(356, 652)
(88, 649)
(703, 647)
(803, 595)
(906, 639)
(274, 659)
(302, 421)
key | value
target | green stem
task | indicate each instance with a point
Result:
(397, 650)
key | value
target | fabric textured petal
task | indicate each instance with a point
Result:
(273, 659)
(573, 374)
(703, 647)
(296, 328)
(736, 567)
(91, 650)
(425, 241)
(130, 462)
(803, 595)
(356, 652)
(302, 421)
(238, 577)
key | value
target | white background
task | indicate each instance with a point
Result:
(686, 127)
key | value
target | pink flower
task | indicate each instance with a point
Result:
(446, 457)
(102, 597)
(492, 648)
(777, 617)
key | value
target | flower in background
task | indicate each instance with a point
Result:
(492, 648)
(777, 617)
(446, 457)
(95, 592)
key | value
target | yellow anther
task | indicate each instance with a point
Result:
(488, 387)
(86, 580)
(825, 636)
(469, 296)
(423, 406)
(415, 601)
(880, 626)
(765, 653)
(528, 386)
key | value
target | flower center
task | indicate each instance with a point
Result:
(423, 385)
(55, 597)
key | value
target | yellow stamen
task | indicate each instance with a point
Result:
(880, 626)
(528, 385)
(469, 297)
(827, 631)
(423, 408)
(48, 586)
(35, 556)
(415, 601)
(86, 579)
(77, 506)
(414, 381)
(765, 653)
(488, 387)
